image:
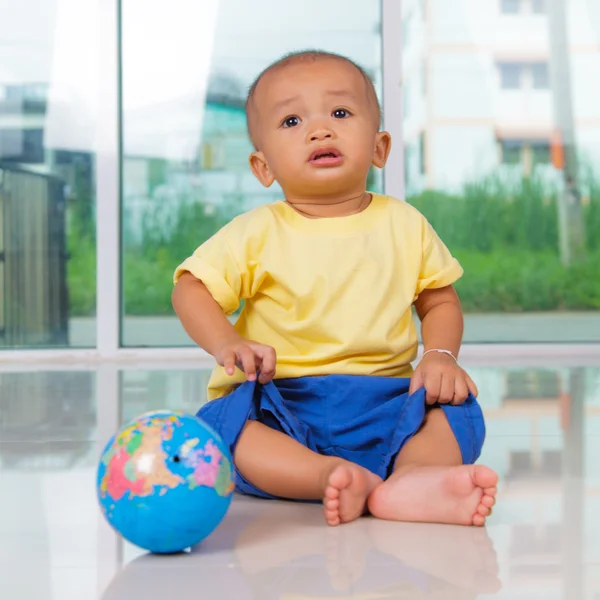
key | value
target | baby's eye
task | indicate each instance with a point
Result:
(340, 113)
(291, 122)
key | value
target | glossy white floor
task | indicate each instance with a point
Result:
(543, 540)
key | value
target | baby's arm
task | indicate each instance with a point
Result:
(441, 319)
(204, 321)
(442, 329)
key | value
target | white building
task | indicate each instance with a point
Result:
(477, 86)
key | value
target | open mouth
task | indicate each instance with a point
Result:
(326, 157)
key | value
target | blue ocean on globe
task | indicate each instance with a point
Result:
(165, 481)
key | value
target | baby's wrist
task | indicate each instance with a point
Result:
(442, 351)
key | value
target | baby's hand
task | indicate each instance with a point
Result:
(443, 379)
(251, 357)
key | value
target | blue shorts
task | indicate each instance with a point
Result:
(363, 419)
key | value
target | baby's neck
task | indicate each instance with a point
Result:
(326, 208)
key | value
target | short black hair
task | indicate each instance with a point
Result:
(309, 56)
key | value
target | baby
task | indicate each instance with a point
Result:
(314, 392)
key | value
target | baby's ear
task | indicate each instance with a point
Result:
(260, 168)
(383, 145)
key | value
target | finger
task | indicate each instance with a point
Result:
(432, 388)
(447, 389)
(246, 358)
(267, 365)
(461, 390)
(416, 382)
(472, 387)
(262, 377)
(229, 362)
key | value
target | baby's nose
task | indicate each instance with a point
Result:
(321, 134)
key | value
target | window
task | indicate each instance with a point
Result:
(540, 76)
(511, 75)
(516, 75)
(511, 7)
(514, 7)
(525, 465)
(185, 144)
(540, 153)
(22, 145)
(531, 384)
(47, 158)
(488, 128)
(528, 153)
(511, 152)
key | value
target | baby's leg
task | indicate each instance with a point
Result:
(428, 485)
(281, 466)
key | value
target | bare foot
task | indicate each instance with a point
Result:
(456, 495)
(348, 487)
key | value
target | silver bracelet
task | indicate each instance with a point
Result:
(440, 351)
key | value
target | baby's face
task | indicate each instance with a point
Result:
(317, 129)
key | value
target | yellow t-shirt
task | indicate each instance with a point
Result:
(332, 296)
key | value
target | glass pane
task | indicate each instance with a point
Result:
(186, 70)
(512, 152)
(47, 194)
(510, 75)
(520, 211)
(540, 76)
(540, 153)
(510, 6)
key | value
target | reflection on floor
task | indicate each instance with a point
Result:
(543, 540)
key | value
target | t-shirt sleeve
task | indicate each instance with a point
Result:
(438, 267)
(225, 274)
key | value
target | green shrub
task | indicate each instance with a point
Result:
(168, 237)
(518, 281)
(592, 217)
(147, 285)
(504, 233)
(81, 276)
(493, 214)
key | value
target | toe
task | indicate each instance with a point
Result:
(478, 520)
(331, 504)
(488, 501)
(332, 493)
(332, 516)
(491, 491)
(484, 511)
(484, 477)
